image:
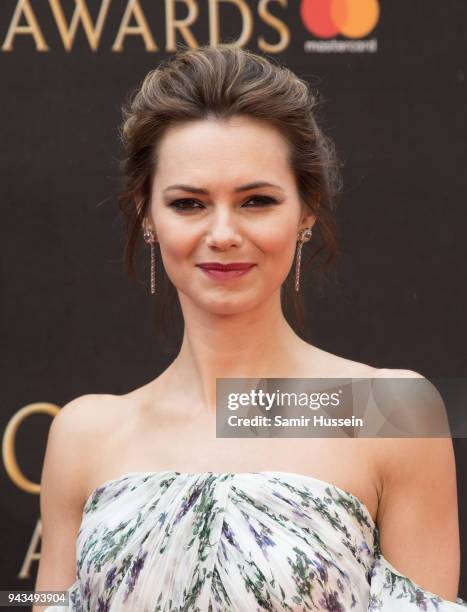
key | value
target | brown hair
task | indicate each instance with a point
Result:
(222, 82)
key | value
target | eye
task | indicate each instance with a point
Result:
(185, 204)
(262, 201)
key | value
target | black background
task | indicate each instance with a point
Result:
(71, 321)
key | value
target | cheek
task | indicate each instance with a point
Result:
(177, 239)
(278, 243)
(278, 250)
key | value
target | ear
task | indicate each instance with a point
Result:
(147, 224)
(307, 219)
(146, 221)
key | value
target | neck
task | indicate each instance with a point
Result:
(258, 343)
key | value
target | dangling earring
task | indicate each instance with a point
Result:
(150, 238)
(303, 236)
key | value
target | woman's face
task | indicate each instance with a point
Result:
(205, 209)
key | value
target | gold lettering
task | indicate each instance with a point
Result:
(247, 21)
(9, 437)
(134, 9)
(80, 13)
(32, 553)
(172, 24)
(24, 8)
(276, 23)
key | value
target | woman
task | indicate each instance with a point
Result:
(228, 172)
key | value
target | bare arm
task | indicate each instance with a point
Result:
(62, 494)
(418, 513)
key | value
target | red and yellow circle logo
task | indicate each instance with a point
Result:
(351, 18)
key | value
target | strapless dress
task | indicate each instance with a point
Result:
(169, 541)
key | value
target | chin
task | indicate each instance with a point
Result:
(227, 306)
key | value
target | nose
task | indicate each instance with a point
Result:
(223, 232)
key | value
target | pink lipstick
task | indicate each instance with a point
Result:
(225, 271)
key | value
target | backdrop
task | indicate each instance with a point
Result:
(392, 79)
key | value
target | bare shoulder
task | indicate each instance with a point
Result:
(84, 411)
(86, 416)
(71, 453)
(389, 448)
(393, 463)
(330, 365)
(419, 497)
(396, 373)
(76, 435)
(415, 464)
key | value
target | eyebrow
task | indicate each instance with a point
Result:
(246, 187)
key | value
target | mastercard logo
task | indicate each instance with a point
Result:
(351, 18)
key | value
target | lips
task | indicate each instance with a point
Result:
(225, 267)
(225, 272)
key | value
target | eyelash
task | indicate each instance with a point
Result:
(264, 201)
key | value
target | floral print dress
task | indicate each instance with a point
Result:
(207, 542)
